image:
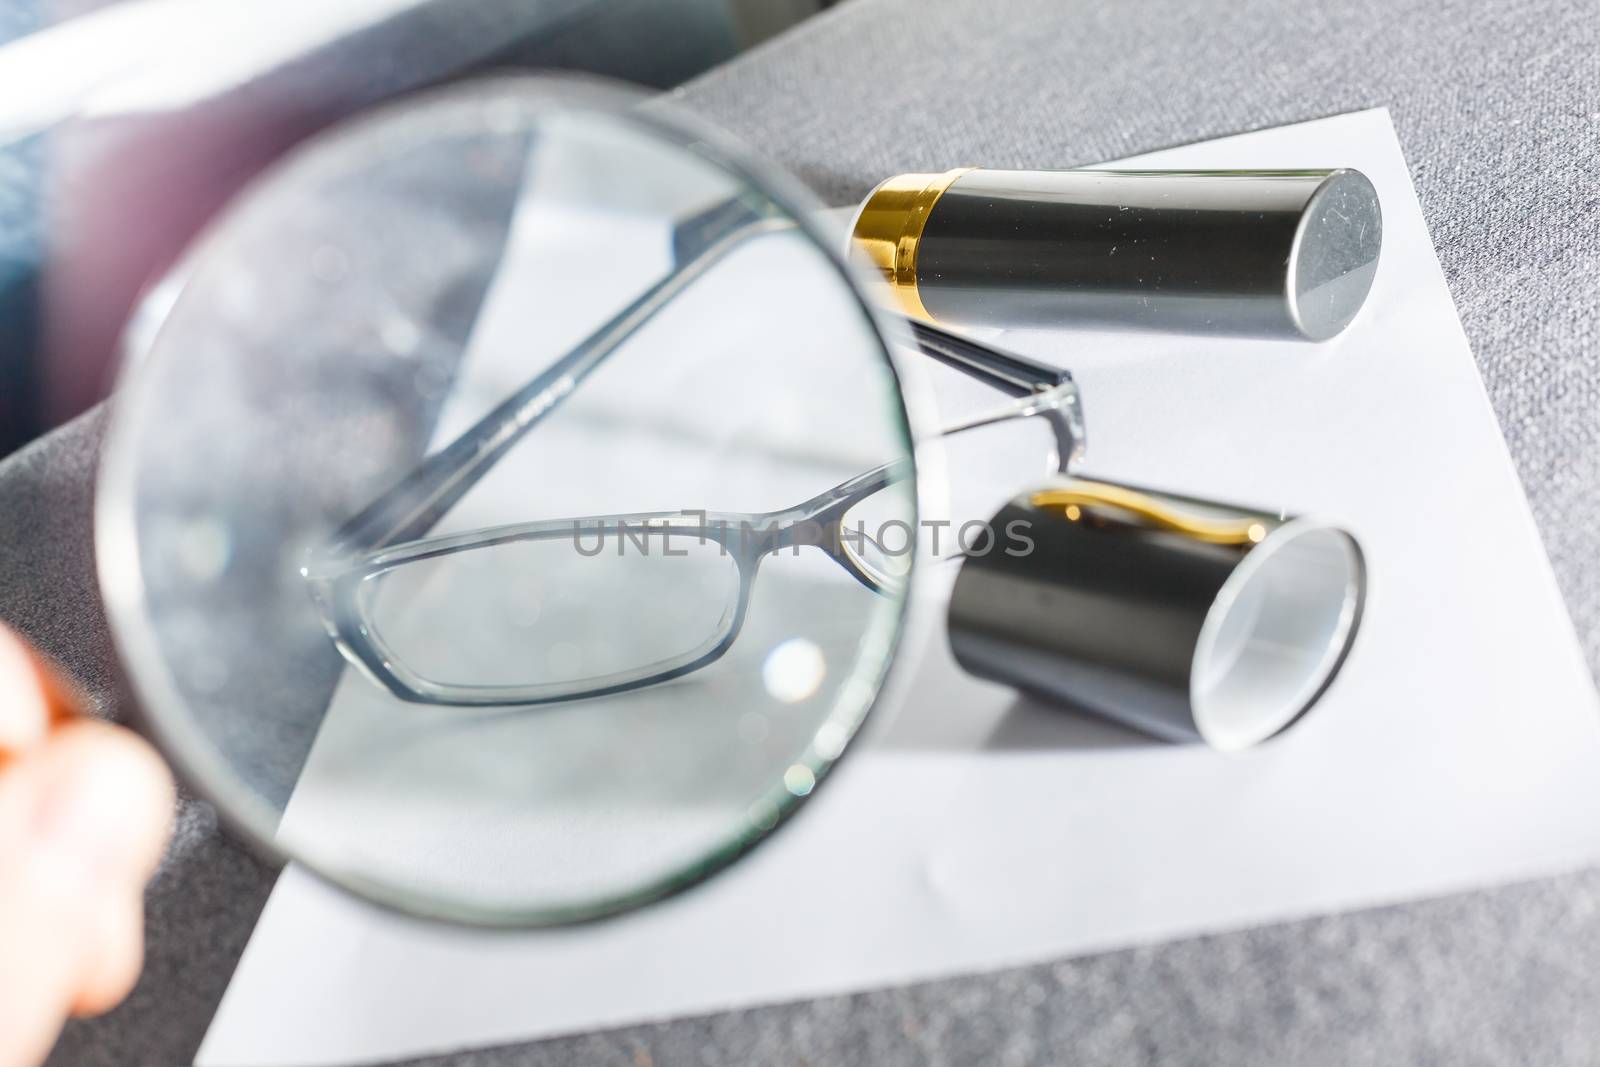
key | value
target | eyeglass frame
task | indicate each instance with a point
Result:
(744, 537)
(390, 531)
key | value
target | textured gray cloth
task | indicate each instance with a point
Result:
(1498, 107)
(1501, 977)
(204, 900)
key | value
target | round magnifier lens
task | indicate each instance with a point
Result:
(471, 515)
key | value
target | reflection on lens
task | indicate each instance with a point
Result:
(795, 670)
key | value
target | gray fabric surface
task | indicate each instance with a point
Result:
(204, 900)
(1501, 977)
(1498, 108)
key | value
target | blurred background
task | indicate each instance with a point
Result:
(120, 137)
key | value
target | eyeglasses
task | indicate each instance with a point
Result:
(586, 608)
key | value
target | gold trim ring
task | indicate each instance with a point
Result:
(1071, 499)
(889, 227)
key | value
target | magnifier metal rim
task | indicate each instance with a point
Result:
(116, 530)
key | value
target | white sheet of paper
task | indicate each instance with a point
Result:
(974, 830)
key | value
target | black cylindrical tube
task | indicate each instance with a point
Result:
(1184, 619)
(1264, 253)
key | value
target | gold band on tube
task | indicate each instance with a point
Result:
(1081, 494)
(889, 228)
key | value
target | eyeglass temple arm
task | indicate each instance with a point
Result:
(848, 493)
(1006, 371)
(413, 506)
(1039, 387)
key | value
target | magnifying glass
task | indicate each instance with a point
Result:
(473, 521)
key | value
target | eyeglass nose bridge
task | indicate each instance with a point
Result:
(821, 525)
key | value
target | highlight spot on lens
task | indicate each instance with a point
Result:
(399, 334)
(763, 814)
(799, 780)
(204, 548)
(830, 740)
(794, 670)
